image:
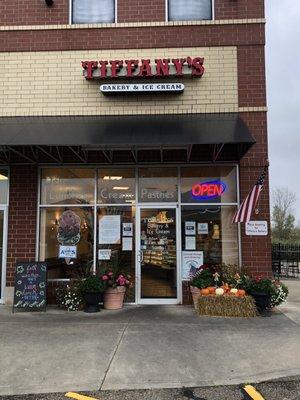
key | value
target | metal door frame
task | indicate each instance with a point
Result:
(4, 253)
(139, 299)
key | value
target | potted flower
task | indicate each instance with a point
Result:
(116, 284)
(92, 289)
(203, 278)
(281, 294)
(262, 289)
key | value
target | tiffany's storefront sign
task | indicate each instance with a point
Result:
(145, 68)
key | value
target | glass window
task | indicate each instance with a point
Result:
(122, 246)
(208, 184)
(158, 185)
(116, 186)
(189, 10)
(67, 186)
(67, 227)
(93, 11)
(213, 233)
(3, 186)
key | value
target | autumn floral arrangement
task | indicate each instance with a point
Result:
(219, 280)
(224, 281)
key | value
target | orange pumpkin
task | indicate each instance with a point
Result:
(205, 292)
(241, 292)
(211, 289)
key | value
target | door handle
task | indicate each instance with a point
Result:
(140, 256)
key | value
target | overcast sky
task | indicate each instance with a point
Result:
(283, 91)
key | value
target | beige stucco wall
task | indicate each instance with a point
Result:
(51, 83)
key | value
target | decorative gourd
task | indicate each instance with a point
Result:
(205, 292)
(233, 291)
(219, 291)
(225, 287)
(211, 289)
(241, 292)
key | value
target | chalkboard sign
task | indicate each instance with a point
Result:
(30, 286)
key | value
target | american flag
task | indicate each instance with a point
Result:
(243, 214)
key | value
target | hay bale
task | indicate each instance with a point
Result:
(226, 306)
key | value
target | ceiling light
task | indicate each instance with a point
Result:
(120, 187)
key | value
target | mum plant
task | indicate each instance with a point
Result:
(114, 279)
(203, 278)
(92, 284)
(69, 296)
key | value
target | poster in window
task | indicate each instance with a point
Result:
(190, 228)
(191, 261)
(127, 244)
(190, 243)
(110, 229)
(127, 229)
(202, 228)
(67, 252)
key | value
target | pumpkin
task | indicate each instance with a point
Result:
(233, 291)
(241, 292)
(219, 291)
(205, 292)
(211, 289)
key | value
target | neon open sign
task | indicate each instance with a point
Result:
(208, 190)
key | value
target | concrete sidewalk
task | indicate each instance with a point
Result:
(143, 347)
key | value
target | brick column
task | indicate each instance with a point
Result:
(22, 217)
(256, 250)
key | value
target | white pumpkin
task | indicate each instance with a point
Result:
(219, 291)
(234, 290)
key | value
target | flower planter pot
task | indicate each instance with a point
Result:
(92, 301)
(114, 298)
(195, 292)
(262, 301)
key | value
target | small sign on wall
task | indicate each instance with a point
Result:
(256, 228)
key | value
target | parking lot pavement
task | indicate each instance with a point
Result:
(288, 389)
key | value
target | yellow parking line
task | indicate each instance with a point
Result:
(78, 396)
(253, 393)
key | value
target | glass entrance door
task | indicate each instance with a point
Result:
(157, 255)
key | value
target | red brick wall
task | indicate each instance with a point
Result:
(256, 251)
(33, 12)
(22, 217)
(227, 9)
(133, 38)
(251, 76)
(141, 10)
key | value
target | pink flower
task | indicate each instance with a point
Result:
(104, 277)
(110, 273)
(121, 281)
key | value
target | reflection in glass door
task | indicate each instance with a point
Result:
(158, 255)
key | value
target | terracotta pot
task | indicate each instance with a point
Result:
(114, 298)
(195, 292)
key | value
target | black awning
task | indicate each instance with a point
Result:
(133, 130)
(197, 137)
